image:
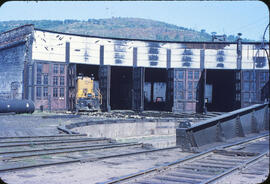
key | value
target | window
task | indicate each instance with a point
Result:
(62, 92)
(55, 92)
(181, 95)
(55, 68)
(181, 74)
(38, 78)
(45, 91)
(246, 97)
(190, 85)
(190, 74)
(246, 86)
(252, 76)
(237, 86)
(238, 97)
(196, 74)
(39, 68)
(55, 80)
(253, 97)
(62, 69)
(180, 85)
(45, 79)
(262, 76)
(62, 80)
(190, 95)
(38, 92)
(246, 75)
(253, 86)
(195, 84)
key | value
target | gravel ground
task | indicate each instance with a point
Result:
(91, 172)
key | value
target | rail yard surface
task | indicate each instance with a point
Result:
(34, 150)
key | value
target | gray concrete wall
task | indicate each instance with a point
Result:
(15, 53)
(11, 72)
(125, 130)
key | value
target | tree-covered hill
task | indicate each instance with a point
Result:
(135, 28)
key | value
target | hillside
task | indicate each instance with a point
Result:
(135, 28)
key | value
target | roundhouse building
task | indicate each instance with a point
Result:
(131, 74)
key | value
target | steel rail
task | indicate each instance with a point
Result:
(70, 151)
(45, 136)
(60, 148)
(46, 140)
(234, 169)
(180, 161)
(82, 160)
(55, 142)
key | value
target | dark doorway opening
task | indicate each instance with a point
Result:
(87, 71)
(121, 88)
(222, 85)
(155, 89)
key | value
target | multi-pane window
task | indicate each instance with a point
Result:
(45, 91)
(55, 68)
(38, 78)
(262, 76)
(189, 85)
(196, 74)
(190, 74)
(195, 84)
(38, 92)
(180, 85)
(39, 68)
(246, 86)
(62, 92)
(62, 80)
(55, 92)
(55, 80)
(62, 69)
(246, 75)
(190, 95)
(181, 74)
(45, 79)
(246, 97)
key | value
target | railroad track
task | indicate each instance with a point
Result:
(205, 167)
(28, 152)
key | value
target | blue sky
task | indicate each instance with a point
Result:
(226, 17)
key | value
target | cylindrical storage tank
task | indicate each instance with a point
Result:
(17, 106)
